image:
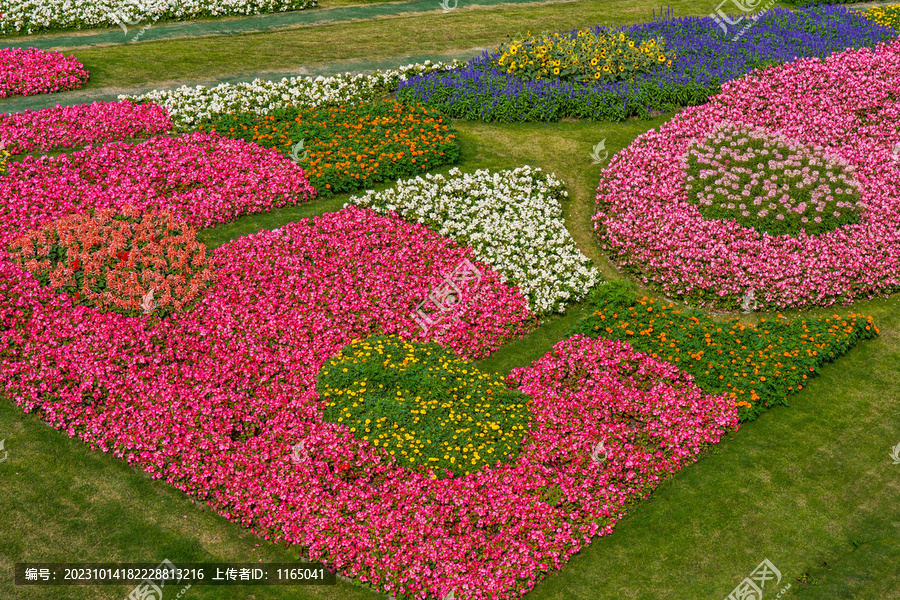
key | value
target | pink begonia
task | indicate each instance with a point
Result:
(82, 124)
(214, 400)
(848, 105)
(207, 179)
(25, 72)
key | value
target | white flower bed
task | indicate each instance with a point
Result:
(513, 221)
(29, 16)
(189, 106)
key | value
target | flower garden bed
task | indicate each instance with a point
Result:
(42, 15)
(25, 72)
(72, 126)
(756, 366)
(187, 172)
(650, 226)
(513, 221)
(350, 147)
(192, 106)
(705, 60)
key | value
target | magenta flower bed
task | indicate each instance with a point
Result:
(73, 126)
(205, 178)
(848, 106)
(25, 72)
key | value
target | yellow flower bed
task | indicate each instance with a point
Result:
(4, 157)
(583, 57)
(423, 405)
(889, 16)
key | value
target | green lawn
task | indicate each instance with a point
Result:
(810, 487)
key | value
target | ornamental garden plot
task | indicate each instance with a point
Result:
(804, 141)
(212, 361)
(756, 366)
(62, 127)
(25, 72)
(191, 106)
(346, 148)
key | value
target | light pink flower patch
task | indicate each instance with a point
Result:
(82, 124)
(848, 106)
(25, 72)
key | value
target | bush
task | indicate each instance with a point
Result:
(423, 405)
(584, 56)
(350, 147)
(757, 366)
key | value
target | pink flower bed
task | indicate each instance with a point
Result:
(72, 126)
(25, 72)
(205, 178)
(847, 105)
(215, 400)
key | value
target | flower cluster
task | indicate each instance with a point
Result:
(769, 183)
(848, 105)
(204, 178)
(25, 72)
(4, 158)
(888, 16)
(512, 220)
(423, 406)
(72, 126)
(118, 260)
(190, 106)
(351, 147)
(42, 15)
(756, 366)
(584, 56)
(705, 60)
